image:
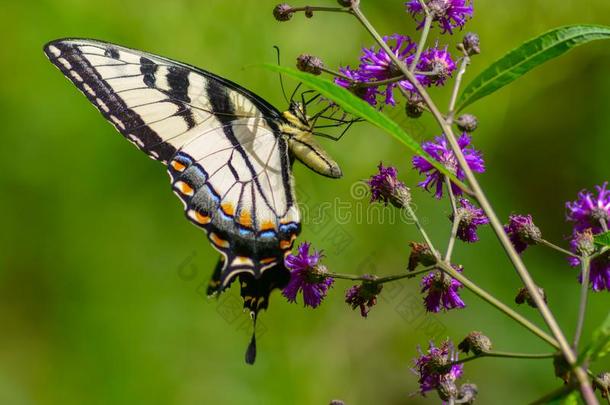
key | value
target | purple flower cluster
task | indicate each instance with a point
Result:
(590, 210)
(386, 188)
(363, 296)
(306, 276)
(383, 183)
(590, 214)
(438, 63)
(440, 150)
(521, 231)
(471, 218)
(449, 14)
(434, 367)
(442, 291)
(376, 65)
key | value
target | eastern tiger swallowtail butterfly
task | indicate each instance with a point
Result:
(228, 153)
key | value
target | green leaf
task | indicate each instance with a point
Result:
(600, 344)
(570, 398)
(359, 108)
(532, 53)
(603, 239)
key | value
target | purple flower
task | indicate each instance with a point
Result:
(471, 218)
(522, 232)
(590, 210)
(433, 367)
(599, 267)
(376, 65)
(441, 151)
(363, 296)
(438, 63)
(385, 187)
(449, 14)
(442, 291)
(307, 276)
(367, 93)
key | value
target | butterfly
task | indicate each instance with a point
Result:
(228, 152)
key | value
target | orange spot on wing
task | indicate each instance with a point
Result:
(227, 208)
(202, 218)
(218, 241)
(179, 167)
(267, 226)
(185, 188)
(287, 244)
(245, 219)
(268, 260)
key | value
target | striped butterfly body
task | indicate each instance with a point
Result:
(228, 153)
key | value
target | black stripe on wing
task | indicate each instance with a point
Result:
(69, 59)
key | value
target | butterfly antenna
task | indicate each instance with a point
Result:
(279, 63)
(251, 350)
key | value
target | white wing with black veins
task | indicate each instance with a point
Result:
(220, 142)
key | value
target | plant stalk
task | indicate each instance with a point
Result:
(585, 265)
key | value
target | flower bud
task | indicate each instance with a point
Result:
(562, 368)
(471, 43)
(467, 123)
(468, 393)
(415, 105)
(364, 295)
(522, 232)
(337, 402)
(475, 342)
(348, 3)
(602, 383)
(447, 389)
(584, 242)
(308, 12)
(420, 254)
(283, 12)
(524, 296)
(310, 64)
(385, 187)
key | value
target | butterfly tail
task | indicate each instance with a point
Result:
(251, 350)
(255, 293)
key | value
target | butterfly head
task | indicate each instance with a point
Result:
(297, 115)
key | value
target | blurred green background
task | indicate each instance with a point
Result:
(100, 275)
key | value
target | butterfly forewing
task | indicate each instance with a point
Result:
(221, 144)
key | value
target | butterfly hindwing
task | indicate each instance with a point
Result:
(227, 160)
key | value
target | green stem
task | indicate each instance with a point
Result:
(498, 304)
(456, 87)
(520, 355)
(379, 280)
(582, 308)
(317, 8)
(555, 247)
(507, 355)
(456, 221)
(334, 73)
(408, 275)
(421, 229)
(423, 38)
